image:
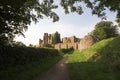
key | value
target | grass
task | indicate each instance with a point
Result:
(99, 62)
(28, 71)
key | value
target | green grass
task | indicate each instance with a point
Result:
(99, 62)
(76, 56)
(28, 71)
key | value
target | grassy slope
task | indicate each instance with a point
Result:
(29, 71)
(100, 62)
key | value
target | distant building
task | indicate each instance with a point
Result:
(47, 39)
(68, 42)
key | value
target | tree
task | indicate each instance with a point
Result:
(56, 38)
(105, 29)
(18, 44)
(97, 7)
(16, 15)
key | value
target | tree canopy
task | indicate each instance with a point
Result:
(16, 15)
(97, 7)
(105, 29)
(56, 38)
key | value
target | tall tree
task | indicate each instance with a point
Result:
(56, 38)
(105, 29)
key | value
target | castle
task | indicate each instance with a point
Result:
(68, 42)
(47, 39)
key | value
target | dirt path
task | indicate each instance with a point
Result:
(58, 72)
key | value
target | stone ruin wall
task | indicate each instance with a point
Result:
(66, 46)
(87, 42)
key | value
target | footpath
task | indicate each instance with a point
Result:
(58, 72)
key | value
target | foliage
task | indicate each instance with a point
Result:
(105, 29)
(18, 44)
(29, 71)
(56, 38)
(67, 51)
(16, 15)
(67, 40)
(48, 45)
(98, 7)
(78, 40)
(12, 56)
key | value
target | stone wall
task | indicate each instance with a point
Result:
(86, 42)
(66, 45)
(71, 39)
(57, 46)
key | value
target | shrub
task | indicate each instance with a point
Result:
(12, 56)
(69, 50)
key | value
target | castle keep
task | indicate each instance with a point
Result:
(47, 39)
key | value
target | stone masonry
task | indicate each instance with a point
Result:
(67, 42)
(47, 39)
(86, 42)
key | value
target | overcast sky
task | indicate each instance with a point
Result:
(68, 25)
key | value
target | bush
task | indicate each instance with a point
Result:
(69, 50)
(48, 46)
(12, 56)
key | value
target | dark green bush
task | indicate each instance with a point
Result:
(48, 45)
(12, 56)
(68, 51)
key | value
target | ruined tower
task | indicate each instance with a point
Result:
(45, 38)
(73, 39)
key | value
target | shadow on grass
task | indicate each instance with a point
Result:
(92, 71)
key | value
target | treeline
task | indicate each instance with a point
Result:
(12, 56)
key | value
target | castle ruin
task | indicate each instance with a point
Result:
(68, 42)
(47, 39)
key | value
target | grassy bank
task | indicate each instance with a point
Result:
(100, 62)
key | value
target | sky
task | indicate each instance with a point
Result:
(68, 25)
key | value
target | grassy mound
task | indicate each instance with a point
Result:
(100, 62)
(106, 51)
